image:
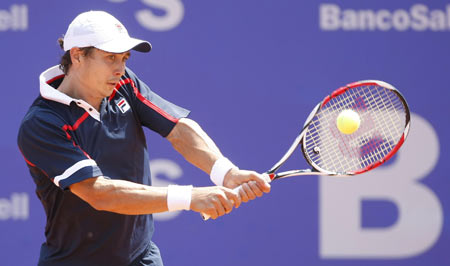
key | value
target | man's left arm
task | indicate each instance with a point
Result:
(189, 139)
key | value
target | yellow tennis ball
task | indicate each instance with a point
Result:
(348, 121)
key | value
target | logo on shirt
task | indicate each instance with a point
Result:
(123, 105)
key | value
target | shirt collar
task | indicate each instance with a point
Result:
(50, 93)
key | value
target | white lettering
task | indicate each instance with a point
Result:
(24, 16)
(15, 208)
(5, 20)
(329, 17)
(367, 20)
(437, 20)
(174, 12)
(383, 22)
(448, 16)
(5, 209)
(400, 20)
(420, 216)
(16, 19)
(349, 20)
(417, 18)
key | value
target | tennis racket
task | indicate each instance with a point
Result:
(384, 123)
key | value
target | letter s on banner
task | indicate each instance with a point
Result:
(174, 12)
(420, 217)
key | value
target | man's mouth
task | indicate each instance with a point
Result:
(112, 83)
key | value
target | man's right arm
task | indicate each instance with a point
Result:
(47, 148)
(130, 198)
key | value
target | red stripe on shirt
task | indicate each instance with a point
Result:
(75, 126)
(120, 84)
(32, 164)
(147, 102)
(26, 160)
(113, 94)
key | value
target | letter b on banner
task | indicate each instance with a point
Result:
(420, 219)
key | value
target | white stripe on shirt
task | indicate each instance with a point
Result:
(71, 170)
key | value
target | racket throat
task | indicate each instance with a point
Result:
(295, 173)
(308, 172)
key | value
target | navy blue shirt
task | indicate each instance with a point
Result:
(65, 141)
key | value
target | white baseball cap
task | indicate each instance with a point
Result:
(103, 31)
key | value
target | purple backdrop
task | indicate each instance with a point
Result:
(247, 69)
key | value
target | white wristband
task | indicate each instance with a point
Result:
(179, 197)
(220, 169)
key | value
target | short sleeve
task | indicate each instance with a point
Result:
(48, 148)
(153, 111)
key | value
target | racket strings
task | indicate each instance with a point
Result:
(371, 143)
(383, 121)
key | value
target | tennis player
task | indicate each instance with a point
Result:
(85, 147)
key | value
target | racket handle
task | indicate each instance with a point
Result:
(206, 216)
(270, 176)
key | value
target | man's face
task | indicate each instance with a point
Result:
(100, 71)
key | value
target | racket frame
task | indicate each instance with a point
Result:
(316, 170)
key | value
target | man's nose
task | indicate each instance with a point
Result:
(120, 71)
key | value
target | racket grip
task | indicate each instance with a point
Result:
(206, 216)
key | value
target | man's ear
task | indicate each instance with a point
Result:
(75, 55)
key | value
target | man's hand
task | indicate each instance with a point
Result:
(214, 201)
(253, 183)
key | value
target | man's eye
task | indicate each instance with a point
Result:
(112, 57)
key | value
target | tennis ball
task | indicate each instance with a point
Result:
(348, 121)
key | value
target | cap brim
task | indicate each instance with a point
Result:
(125, 44)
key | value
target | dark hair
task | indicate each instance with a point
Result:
(66, 61)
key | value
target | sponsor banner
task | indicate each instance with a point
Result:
(417, 18)
(15, 208)
(14, 19)
(251, 71)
